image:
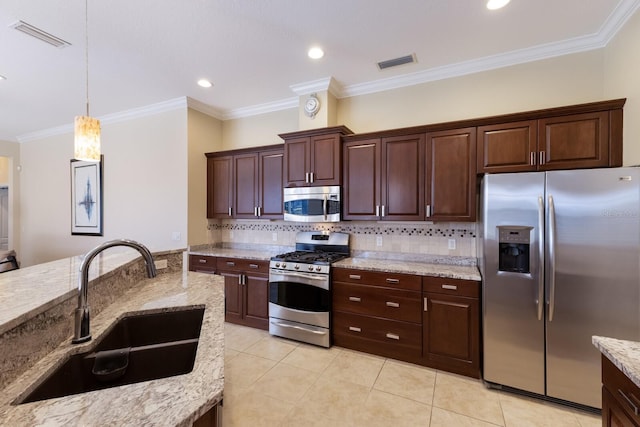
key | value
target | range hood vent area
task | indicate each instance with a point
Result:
(39, 34)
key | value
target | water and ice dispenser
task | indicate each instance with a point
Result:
(513, 248)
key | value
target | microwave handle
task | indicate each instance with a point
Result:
(324, 207)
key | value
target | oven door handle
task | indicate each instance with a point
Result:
(303, 275)
(284, 325)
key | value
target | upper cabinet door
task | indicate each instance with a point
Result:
(361, 177)
(508, 147)
(576, 141)
(219, 187)
(451, 175)
(297, 158)
(271, 164)
(326, 168)
(245, 185)
(402, 173)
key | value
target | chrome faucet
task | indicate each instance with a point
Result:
(82, 332)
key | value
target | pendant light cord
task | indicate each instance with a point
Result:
(86, 47)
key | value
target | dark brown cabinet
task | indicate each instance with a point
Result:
(620, 397)
(313, 157)
(583, 136)
(378, 313)
(450, 182)
(245, 183)
(451, 325)
(246, 285)
(202, 263)
(384, 178)
(219, 186)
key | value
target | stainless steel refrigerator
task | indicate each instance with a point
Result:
(560, 260)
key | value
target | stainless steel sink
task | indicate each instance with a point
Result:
(139, 347)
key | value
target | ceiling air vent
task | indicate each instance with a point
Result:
(408, 59)
(39, 34)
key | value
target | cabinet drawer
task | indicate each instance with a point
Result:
(375, 278)
(623, 390)
(244, 265)
(442, 285)
(396, 304)
(202, 263)
(377, 336)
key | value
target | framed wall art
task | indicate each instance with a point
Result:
(86, 198)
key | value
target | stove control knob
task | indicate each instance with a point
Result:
(310, 268)
(277, 265)
(318, 268)
(297, 267)
(284, 265)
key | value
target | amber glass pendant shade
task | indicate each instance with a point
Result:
(87, 139)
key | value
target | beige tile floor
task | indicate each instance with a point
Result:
(271, 381)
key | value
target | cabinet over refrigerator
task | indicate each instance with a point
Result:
(559, 256)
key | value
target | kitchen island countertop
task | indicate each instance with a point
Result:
(175, 401)
(623, 354)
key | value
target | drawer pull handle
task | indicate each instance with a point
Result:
(355, 329)
(634, 407)
(393, 336)
(230, 263)
(392, 304)
(253, 265)
(355, 276)
(202, 261)
(426, 304)
(450, 287)
(355, 299)
(394, 281)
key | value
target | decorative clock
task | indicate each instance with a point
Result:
(312, 105)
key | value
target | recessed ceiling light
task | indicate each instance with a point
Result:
(496, 4)
(3, 78)
(204, 83)
(315, 53)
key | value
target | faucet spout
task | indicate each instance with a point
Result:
(82, 331)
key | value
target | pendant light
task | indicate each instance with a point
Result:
(87, 128)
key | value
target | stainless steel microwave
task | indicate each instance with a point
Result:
(312, 204)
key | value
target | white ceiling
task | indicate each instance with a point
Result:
(143, 52)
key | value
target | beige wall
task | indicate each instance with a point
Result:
(258, 130)
(11, 150)
(145, 188)
(622, 80)
(204, 135)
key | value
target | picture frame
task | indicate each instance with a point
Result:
(86, 198)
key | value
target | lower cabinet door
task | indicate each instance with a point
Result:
(612, 413)
(232, 297)
(256, 302)
(390, 338)
(451, 333)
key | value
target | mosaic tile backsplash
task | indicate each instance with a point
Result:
(442, 239)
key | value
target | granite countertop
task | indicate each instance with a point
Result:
(177, 400)
(449, 267)
(452, 271)
(624, 354)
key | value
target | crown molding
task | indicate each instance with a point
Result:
(205, 108)
(325, 84)
(149, 110)
(255, 110)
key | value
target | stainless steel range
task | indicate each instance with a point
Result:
(300, 287)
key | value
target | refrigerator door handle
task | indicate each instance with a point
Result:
(540, 298)
(552, 258)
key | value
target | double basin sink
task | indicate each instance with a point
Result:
(139, 347)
